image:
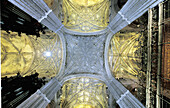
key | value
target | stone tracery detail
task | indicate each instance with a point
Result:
(84, 92)
(86, 17)
(26, 54)
(90, 25)
(86, 53)
(125, 55)
(47, 65)
(17, 54)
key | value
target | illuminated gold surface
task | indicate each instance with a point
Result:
(86, 2)
(16, 54)
(125, 55)
(86, 15)
(84, 106)
(84, 93)
(25, 54)
(47, 66)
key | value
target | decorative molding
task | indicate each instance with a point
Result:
(71, 32)
(42, 95)
(122, 96)
(109, 37)
(99, 77)
(45, 16)
(59, 28)
(113, 32)
(62, 39)
(124, 18)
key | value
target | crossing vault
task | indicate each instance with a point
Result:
(85, 30)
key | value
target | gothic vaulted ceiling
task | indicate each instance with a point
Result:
(82, 52)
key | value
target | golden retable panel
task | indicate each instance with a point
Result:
(86, 15)
(26, 54)
(125, 55)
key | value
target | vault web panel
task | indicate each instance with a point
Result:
(84, 93)
(85, 54)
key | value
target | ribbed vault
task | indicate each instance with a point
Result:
(27, 55)
(84, 92)
(125, 55)
(91, 51)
